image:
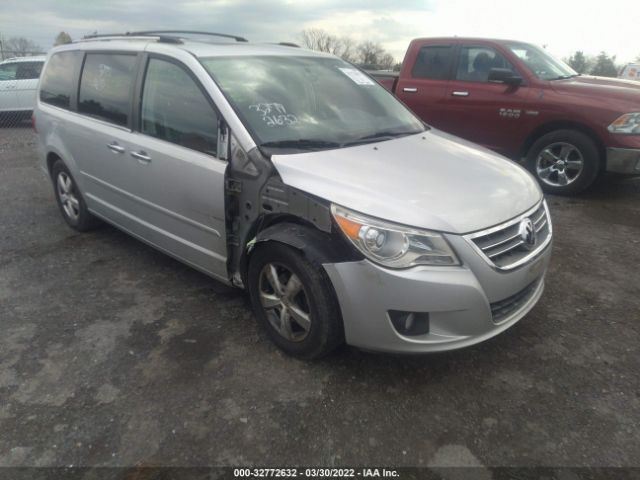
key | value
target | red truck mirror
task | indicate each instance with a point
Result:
(504, 75)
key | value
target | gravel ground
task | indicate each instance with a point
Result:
(114, 354)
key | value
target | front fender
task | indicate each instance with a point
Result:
(316, 245)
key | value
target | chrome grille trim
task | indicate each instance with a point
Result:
(496, 244)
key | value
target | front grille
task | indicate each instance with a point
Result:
(502, 309)
(503, 247)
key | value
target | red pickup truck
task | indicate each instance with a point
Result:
(516, 99)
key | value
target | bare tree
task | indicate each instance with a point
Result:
(370, 53)
(322, 41)
(387, 61)
(19, 47)
(319, 40)
(349, 50)
(62, 38)
(367, 53)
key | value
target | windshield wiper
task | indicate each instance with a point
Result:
(384, 135)
(564, 77)
(302, 143)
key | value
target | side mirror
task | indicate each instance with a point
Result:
(504, 75)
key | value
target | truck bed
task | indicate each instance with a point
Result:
(386, 78)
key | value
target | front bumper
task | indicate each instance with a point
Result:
(623, 160)
(459, 301)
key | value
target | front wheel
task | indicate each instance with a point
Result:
(564, 162)
(294, 301)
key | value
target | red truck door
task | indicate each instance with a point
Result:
(488, 113)
(424, 79)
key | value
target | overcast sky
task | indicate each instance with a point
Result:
(562, 25)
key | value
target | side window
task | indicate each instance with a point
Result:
(58, 78)
(105, 86)
(8, 71)
(28, 70)
(433, 62)
(474, 63)
(175, 109)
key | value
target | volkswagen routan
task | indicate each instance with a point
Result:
(296, 176)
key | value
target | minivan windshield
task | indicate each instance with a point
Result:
(542, 64)
(309, 103)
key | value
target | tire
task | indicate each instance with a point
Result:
(322, 331)
(70, 201)
(565, 162)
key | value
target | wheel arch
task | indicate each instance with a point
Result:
(553, 126)
(316, 245)
(52, 157)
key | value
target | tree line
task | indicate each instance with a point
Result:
(601, 65)
(22, 47)
(368, 54)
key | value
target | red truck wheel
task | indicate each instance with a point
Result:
(564, 162)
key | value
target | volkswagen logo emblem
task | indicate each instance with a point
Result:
(527, 233)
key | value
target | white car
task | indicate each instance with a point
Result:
(18, 84)
(631, 72)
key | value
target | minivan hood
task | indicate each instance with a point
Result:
(617, 88)
(431, 180)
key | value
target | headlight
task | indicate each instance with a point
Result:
(628, 123)
(392, 245)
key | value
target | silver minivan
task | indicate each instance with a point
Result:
(294, 175)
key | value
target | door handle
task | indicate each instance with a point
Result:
(410, 89)
(457, 93)
(115, 148)
(141, 156)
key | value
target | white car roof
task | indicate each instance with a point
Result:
(35, 58)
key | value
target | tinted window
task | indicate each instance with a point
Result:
(57, 82)
(175, 109)
(105, 86)
(433, 62)
(8, 71)
(28, 70)
(475, 63)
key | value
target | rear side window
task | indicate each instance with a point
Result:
(105, 86)
(433, 62)
(175, 109)
(8, 71)
(58, 79)
(28, 70)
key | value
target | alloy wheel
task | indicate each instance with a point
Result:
(285, 302)
(66, 194)
(559, 164)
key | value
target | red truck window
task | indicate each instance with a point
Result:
(474, 63)
(433, 62)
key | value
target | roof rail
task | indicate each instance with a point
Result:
(128, 36)
(162, 35)
(190, 32)
(289, 44)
